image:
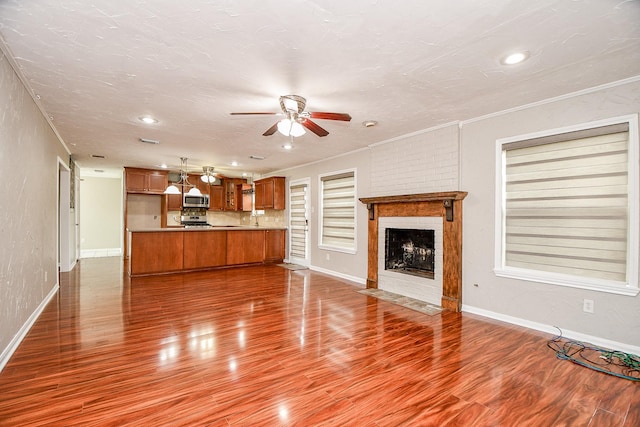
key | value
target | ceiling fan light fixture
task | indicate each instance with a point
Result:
(289, 127)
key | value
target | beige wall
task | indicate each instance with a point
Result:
(616, 317)
(100, 213)
(29, 152)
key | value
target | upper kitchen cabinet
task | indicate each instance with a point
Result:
(270, 193)
(244, 193)
(145, 181)
(233, 195)
(216, 198)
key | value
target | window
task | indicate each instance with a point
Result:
(568, 206)
(337, 211)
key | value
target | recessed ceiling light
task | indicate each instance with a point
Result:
(287, 146)
(150, 141)
(148, 120)
(254, 157)
(162, 166)
(514, 58)
(369, 123)
(97, 156)
(234, 163)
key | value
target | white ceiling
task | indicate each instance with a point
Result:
(96, 67)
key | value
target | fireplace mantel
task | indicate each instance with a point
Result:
(447, 205)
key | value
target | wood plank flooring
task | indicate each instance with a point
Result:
(269, 346)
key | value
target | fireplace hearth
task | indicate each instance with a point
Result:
(410, 251)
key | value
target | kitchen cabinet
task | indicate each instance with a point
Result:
(171, 250)
(174, 201)
(231, 201)
(155, 252)
(244, 247)
(216, 198)
(274, 242)
(146, 181)
(244, 199)
(270, 193)
(203, 249)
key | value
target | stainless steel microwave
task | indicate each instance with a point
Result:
(192, 201)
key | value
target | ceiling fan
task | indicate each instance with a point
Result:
(297, 119)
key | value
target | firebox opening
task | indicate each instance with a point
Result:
(410, 251)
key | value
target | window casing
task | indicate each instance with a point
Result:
(567, 206)
(337, 211)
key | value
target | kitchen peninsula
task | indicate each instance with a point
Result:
(174, 250)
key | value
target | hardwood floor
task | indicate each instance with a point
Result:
(269, 346)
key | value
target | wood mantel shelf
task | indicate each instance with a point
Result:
(409, 198)
(447, 205)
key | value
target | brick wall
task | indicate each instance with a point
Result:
(425, 162)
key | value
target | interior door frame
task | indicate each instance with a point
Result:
(307, 209)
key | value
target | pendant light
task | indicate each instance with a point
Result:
(173, 188)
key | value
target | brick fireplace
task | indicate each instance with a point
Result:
(446, 206)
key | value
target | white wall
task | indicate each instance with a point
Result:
(616, 317)
(101, 216)
(29, 152)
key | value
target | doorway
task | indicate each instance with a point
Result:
(65, 247)
(299, 222)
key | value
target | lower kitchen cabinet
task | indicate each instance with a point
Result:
(155, 252)
(203, 249)
(245, 246)
(274, 242)
(172, 250)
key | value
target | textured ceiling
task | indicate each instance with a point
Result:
(96, 67)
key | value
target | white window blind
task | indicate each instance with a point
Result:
(298, 221)
(566, 203)
(338, 211)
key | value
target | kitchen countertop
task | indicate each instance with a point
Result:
(212, 228)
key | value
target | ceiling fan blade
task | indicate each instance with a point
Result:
(331, 116)
(313, 127)
(247, 114)
(271, 130)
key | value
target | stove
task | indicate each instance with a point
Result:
(194, 220)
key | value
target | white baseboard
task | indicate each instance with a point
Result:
(100, 253)
(553, 330)
(24, 330)
(358, 280)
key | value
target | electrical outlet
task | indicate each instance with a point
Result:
(587, 306)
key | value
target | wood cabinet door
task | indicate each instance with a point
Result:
(245, 246)
(274, 245)
(278, 192)
(267, 194)
(174, 202)
(157, 182)
(259, 194)
(156, 252)
(216, 201)
(203, 249)
(136, 181)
